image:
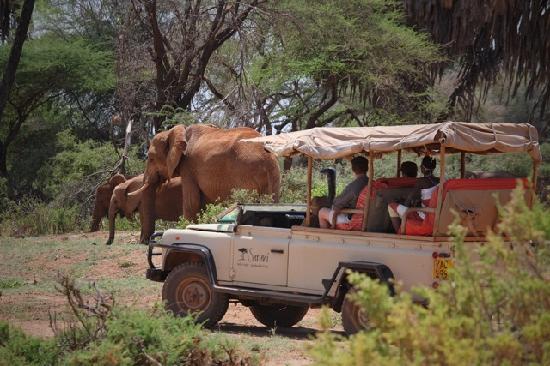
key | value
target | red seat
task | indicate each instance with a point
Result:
(356, 222)
(416, 226)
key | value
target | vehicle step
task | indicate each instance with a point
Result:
(243, 292)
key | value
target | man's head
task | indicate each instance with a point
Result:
(359, 165)
(428, 165)
(409, 169)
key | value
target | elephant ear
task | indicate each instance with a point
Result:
(116, 180)
(177, 144)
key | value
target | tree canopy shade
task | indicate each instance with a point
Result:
(51, 68)
(490, 36)
(356, 59)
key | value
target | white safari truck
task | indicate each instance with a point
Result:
(273, 260)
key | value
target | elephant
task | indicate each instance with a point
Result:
(211, 162)
(102, 199)
(126, 205)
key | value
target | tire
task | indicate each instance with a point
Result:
(187, 290)
(354, 318)
(279, 315)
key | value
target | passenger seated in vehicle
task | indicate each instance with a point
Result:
(348, 198)
(420, 195)
(409, 169)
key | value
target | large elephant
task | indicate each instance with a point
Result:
(167, 202)
(211, 163)
(102, 199)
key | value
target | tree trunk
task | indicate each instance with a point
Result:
(8, 78)
(3, 160)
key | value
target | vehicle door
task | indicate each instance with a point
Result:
(260, 255)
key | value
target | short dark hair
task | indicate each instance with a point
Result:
(409, 169)
(429, 163)
(360, 164)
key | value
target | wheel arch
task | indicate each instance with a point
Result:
(341, 285)
(186, 252)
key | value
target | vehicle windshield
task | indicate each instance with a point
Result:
(229, 217)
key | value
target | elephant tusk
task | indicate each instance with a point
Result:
(139, 191)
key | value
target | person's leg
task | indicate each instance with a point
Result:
(324, 217)
(394, 217)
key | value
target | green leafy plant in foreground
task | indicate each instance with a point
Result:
(103, 334)
(495, 310)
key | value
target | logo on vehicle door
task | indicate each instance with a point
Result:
(249, 258)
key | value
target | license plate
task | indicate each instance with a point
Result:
(441, 268)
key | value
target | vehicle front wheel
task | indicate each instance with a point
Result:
(187, 290)
(354, 317)
(278, 315)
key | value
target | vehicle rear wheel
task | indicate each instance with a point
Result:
(279, 315)
(354, 317)
(187, 290)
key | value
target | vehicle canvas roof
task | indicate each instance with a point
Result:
(339, 142)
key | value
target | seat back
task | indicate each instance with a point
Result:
(384, 190)
(476, 203)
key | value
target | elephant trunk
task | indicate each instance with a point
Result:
(148, 212)
(112, 216)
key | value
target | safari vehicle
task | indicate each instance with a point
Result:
(273, 261)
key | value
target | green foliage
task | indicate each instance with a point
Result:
(6, 283)
(492, 311)
(130, 337)
(363, 49)
(18, 349)
(32, 217)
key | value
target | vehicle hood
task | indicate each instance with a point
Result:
(223, 228)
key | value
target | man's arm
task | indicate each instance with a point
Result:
(345, 199)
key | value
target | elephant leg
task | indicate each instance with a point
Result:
(191, 196)
(112, 216)
(147, 218)
(95, 223)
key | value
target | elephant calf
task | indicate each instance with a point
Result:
(168, 202)
(102, 200)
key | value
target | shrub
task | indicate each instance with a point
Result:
(107, 335)
(32, 217)
(493, 311)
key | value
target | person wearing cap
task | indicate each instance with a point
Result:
(329, 217)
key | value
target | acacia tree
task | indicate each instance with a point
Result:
(331, 62)
(182, 38)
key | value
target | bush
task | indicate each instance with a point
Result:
(494, 311)
(32, 217)
(107, 335)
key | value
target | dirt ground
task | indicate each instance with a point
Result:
(28, 292)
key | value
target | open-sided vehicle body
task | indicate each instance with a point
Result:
(270, 258)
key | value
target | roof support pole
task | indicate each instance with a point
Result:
(439, 190)
(398, 163)
(462, 164)
(309, 184)
(369, 191)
